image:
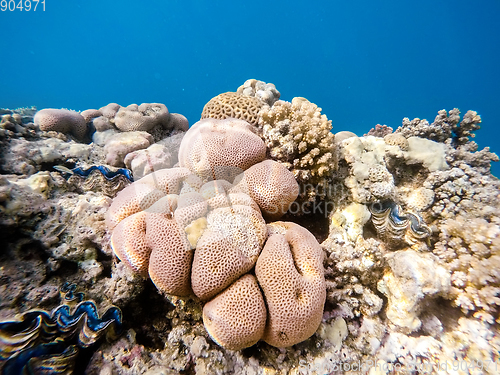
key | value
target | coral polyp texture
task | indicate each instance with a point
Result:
(61, 120)
(405, 277)
(291, 275)
(201, 238)
(299, 136)
(220, 149)
(264, 91)
(233, 105)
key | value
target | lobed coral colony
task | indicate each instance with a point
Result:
(254, 241)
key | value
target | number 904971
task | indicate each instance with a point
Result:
(22, 5)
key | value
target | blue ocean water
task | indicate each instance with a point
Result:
(364, 62)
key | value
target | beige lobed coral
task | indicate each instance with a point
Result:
(220, 149)
(299, 136)
(61, 120)
(201, 239)
(290, 273)
(233, 105)
(271, 186)
(141, 117)
(264, 91)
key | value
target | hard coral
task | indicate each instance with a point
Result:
(119, 145)
(228, 248)
(61, 120)
(264, 91)
(202, 240)
(233, 105)
(141, 117)
(291, 275)
(220, 149)
(271, 185)
(299, 136)
(380, 131)
(411, 278)
(236, 318)
(445, 126)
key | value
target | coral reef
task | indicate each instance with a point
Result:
(410, 255)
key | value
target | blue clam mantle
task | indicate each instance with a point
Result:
(106, 172)
(394, 225)
(40, 341)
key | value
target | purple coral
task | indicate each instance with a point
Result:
(380, 131)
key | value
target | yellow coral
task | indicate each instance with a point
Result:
(232, 104)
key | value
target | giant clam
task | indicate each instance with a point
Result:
(40, 342)
(98, 177)
(395, 226)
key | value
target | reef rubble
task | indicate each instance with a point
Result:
(408, 222)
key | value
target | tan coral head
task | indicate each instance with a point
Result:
(220, 149)
(290, 274)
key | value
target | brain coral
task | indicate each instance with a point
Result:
(272, 186)
(299, 136)
(61, 120)
(141, 117)
(160, 219)
(233, 105)
(291, 275)
(228, 248)
(220, 149)
(203, 239)
(236, 318)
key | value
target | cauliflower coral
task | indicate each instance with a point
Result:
(299, 136)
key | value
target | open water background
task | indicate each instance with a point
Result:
(364, 62)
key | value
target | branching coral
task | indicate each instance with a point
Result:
(446, 126)
(299, 136)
